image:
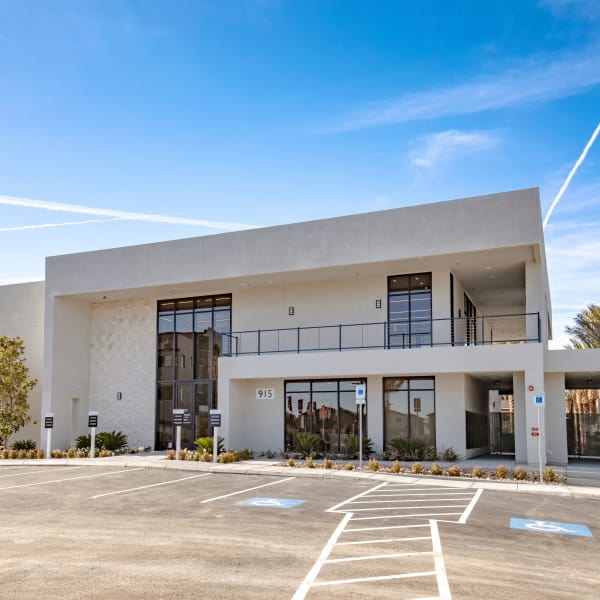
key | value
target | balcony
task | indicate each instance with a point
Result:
(417, 333)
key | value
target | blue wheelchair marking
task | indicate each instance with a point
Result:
(272, 502)
(551, 527)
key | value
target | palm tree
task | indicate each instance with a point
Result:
(586, 331)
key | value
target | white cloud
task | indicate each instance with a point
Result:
(578, 9)
(573, 255)
(120, 214)
(535, 80)
(433, 148)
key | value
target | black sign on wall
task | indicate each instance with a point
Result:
(178, 419)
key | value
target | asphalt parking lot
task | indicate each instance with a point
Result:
(110, 532)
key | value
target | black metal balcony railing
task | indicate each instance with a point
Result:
(466, 331)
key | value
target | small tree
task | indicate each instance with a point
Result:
(15, 385)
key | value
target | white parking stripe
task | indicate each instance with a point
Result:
(379, 578)
(469, 508)
(12, 487)
(410, 507)
(386, 527)
(143, 487)
(383, 541)
(334, 508)
(376, 557)
(32, 472)
(406, 516)
(438, 558)
(408, 500)
(309, 580)
(420, 494)
(256, 487)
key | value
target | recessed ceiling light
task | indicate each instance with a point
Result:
(488, 268)
(492, 277)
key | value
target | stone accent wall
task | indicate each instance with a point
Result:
(123, 359)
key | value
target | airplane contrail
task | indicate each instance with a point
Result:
(45, 225)
(121, 214)
(571, 174)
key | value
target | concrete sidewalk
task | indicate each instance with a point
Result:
(277, 467)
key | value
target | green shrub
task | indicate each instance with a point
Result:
(349, 467)
(408, 449)
(436, 469)
(520, 474)
(453, 471)
(448, 455)
(245, 454)
(501, 472)
(109, 440)
(352, 446)
(207, 443)
(549, 474)
(23, 445)
(308, 443)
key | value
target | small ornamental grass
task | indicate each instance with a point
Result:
(520, 474)
(417, 468)
(310, 463)
(549, 474)
(453, 471)
(327, 463)
(291, 462)
(396, 468)
(373, 464)
(477, 472)
(436, 469)
(501, 472)
(349, 467)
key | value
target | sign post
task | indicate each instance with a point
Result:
(178, 422)
(214, 417)
(361, 397)
(48, 425)
(540, 403)
(92, 424)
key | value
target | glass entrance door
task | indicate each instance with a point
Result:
(194, 399)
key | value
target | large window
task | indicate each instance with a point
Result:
(409, 409)
(409, 310)
(326, 407)
(192, 334)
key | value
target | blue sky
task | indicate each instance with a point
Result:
(215, 115)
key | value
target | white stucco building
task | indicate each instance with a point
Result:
(442, 310)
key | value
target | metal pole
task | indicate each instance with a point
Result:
(540, 446)
(177, 442)
(93, 443)
(215, 443)
(360, 437)
(48, 443)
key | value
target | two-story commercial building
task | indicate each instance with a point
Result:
(442, 310)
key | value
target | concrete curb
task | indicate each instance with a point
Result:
(276, 470)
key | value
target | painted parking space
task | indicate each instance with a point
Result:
(389, 534)
(540, 526)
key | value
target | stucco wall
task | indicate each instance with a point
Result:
(123, 359)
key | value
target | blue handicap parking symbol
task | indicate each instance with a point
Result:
(551, 527)
(272, 502)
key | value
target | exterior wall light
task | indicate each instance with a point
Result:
(291, 311)
(378, 303)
